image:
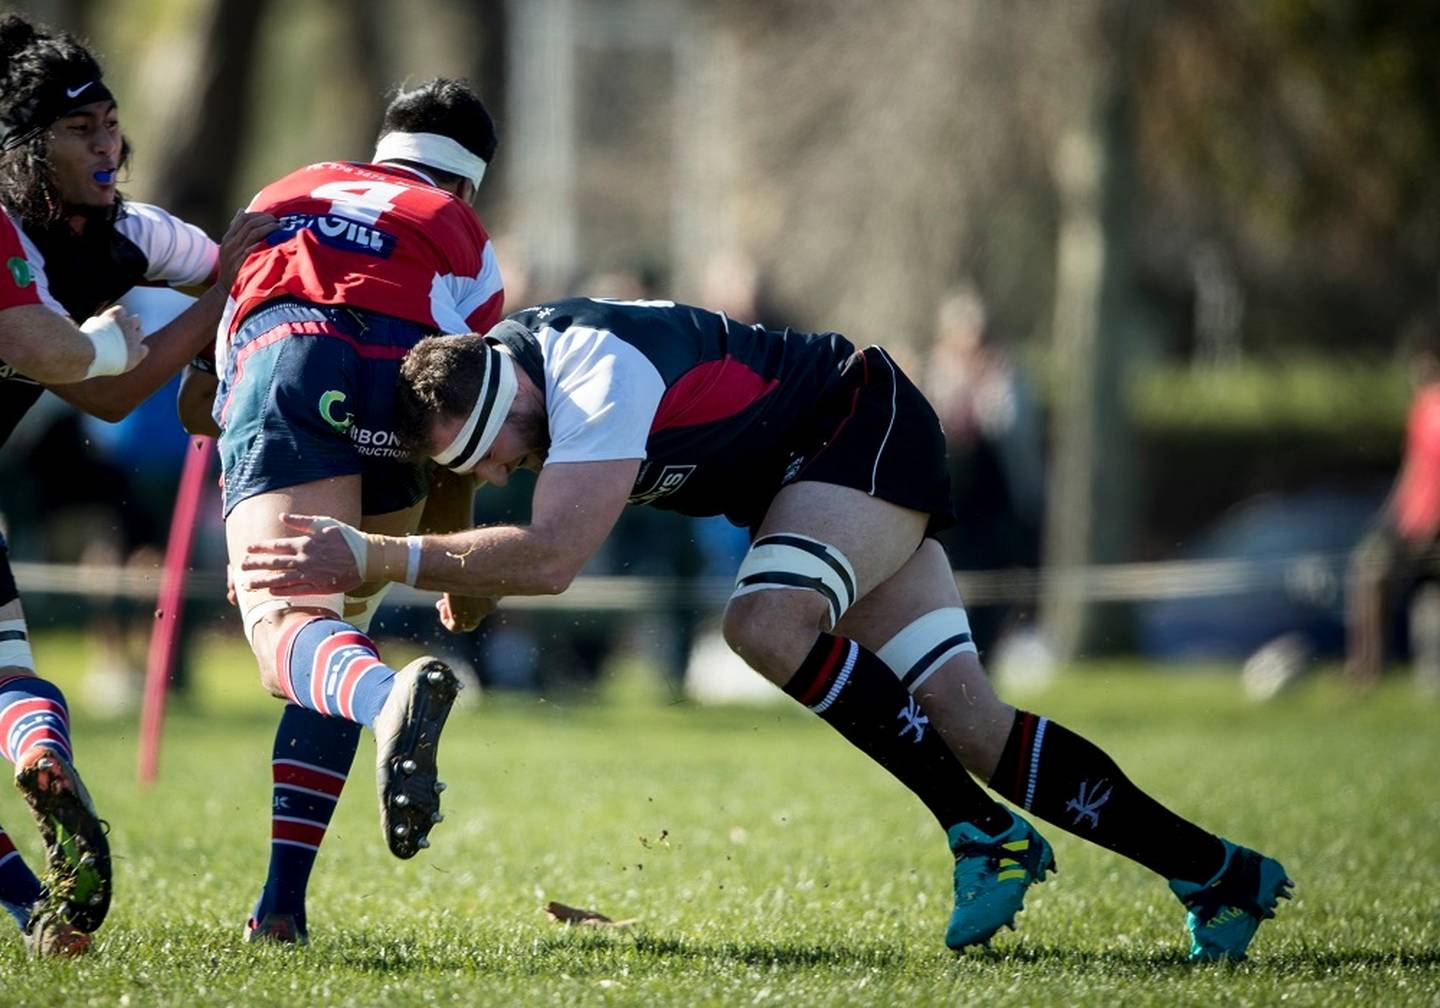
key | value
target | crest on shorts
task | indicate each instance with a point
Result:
(669, 479)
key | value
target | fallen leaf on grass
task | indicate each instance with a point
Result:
(575, 915)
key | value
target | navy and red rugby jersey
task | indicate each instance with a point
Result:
(375, 237)
(714, 407)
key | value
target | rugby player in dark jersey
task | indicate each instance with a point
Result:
(81, 247)
(835, 462)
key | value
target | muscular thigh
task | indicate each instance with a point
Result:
(877, 537)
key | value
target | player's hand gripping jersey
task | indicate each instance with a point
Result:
(724, 414)
(375, 237)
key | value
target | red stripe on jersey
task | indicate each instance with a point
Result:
(297, 832)
(17, 282)
(708, 392)
(7, 846)
(311, 778)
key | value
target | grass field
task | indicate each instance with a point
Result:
(761, 859)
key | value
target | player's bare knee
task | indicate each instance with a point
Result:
(773, 631)
(790, 587)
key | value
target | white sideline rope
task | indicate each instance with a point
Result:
(1300, 574)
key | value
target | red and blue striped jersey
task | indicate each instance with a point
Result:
(377, 237)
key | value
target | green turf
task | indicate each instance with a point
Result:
(762, 860)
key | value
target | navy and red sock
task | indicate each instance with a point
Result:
(32, 713)
(858, 695)
(310, 761)
(329, 666)
(19, 888)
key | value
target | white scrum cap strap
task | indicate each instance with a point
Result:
(497, 392)
(434, 150)
(917, 651)
(791, 560)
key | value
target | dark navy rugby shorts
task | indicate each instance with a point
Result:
(876, 432)
(307, 393)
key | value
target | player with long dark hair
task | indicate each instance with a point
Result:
(80, 248)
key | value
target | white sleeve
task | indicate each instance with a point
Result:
(176, 253)
(601, 395)
(455, 299)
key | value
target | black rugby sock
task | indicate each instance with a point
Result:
(1069, 781)
(856, 694)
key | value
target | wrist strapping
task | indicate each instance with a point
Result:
(107, 339)
(412, 558)
(357, 541)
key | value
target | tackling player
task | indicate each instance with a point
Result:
(77, 248)
(370, 258)
(835, 462)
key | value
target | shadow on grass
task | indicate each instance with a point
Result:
(584, 953)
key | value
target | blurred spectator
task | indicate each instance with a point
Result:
(1399, 555)
(992, 435)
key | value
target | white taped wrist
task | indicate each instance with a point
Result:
(107, 339)
(413, 545)
(355, 539)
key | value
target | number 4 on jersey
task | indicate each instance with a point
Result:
(362, 202)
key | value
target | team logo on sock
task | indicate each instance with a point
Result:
(1086, 805)
(914, 720)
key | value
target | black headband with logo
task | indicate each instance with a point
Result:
(52, 101)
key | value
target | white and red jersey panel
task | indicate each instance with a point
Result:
(376, 237)
(712, 406)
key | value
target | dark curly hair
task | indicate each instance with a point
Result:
(33, 57)
(446, 107)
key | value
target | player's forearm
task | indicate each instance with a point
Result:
(171, 348)
(494, 560)
(450, 505)
(42, 345)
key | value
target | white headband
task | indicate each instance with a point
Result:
(434, 150)
(492, 406)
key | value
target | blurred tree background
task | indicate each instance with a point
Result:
(1204, 225)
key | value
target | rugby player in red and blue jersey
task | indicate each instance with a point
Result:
(72, 246)
(835, 462)
(369, 259)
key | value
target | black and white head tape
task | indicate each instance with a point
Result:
(497, 392)
(434, 150)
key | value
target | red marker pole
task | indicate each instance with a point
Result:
(166, 636)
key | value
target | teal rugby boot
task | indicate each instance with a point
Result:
(1226, 911)
(991, 876)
